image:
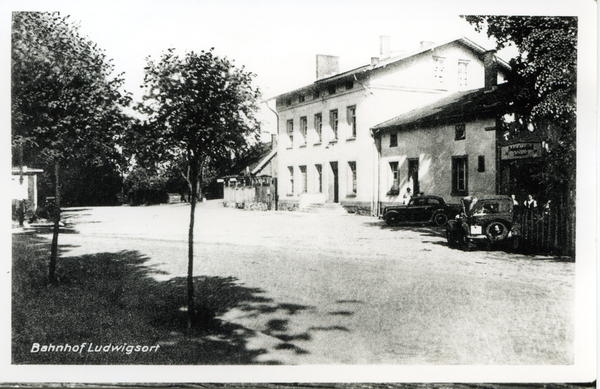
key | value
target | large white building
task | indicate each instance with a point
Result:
(327, 152)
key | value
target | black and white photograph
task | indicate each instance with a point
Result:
(303, 191)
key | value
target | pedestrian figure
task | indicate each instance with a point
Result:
(407, 196)
(514, 199)
(530, 203)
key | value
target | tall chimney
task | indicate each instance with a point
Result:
(490, 66)
(384, 46)
(327, 65)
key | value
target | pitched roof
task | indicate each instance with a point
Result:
(266, 155)
(391, 60)
(459, 106)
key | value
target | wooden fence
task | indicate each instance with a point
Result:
(546, 231)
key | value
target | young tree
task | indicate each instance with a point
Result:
(542, 88)
(201, 110)
(64, 107)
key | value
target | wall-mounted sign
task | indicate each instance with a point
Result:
(522, 150)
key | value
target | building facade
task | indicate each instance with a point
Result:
(327, 152)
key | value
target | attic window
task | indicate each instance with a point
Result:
(349, 84)
(331, 89)
(288, 102)
(301, 98)
(393, 139)
(316, 94)
(460, 132)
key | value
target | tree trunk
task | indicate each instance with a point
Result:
(56, 215)
(190, 276)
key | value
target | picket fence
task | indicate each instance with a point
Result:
(546, 231)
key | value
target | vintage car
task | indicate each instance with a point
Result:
(422, 209)
(487, 220)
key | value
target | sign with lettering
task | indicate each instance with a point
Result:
(522, 150)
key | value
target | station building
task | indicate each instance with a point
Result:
(333, 132)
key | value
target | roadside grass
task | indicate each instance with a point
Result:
(111, 299)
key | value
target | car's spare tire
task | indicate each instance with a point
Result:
(496, 231)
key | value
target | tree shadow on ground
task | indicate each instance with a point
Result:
(115, 300)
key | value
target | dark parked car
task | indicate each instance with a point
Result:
(423, 209)
(487, 220)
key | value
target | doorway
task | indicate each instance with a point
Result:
(336, 182)
(413, 174)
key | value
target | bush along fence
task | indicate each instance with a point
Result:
(546, 231)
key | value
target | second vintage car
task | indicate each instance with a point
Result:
(422, 209)
(487, 220)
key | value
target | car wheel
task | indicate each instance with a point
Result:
(440, 219)
(392, 219)
(496, 231)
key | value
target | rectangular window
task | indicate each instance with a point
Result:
(316, 94)
(333, 122)
(351, 117)
(331, 89)
(301, 98)
(481, 163)
(319, 178)
(438, 72)
(304, 182)
(460, 168)
(460, 131)
(352, 177)
(394, 139)
(303, 128)
(318, 125)
(290, 180)
(349, 84)
(395, 187)
(290, 132)
(463, 79)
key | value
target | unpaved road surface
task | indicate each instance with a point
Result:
(346, 289)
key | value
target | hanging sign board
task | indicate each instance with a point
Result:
(522, 150)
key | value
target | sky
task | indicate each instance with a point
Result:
(276, 40)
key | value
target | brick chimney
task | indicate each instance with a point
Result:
(490, 66)
(327, 65)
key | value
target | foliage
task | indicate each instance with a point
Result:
(542, 87)
(63, 104)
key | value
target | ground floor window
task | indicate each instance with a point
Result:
(319, 178)
(352, 178)
(303, 178)
(395, 178)
(290, 180)
(460, 169)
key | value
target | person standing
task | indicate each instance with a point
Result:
(530, 203)
(407, 196)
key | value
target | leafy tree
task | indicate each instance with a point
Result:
(201, 111)
(64, 107)
(542, 89)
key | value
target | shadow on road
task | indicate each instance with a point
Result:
(113, 299)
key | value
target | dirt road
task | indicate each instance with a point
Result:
(346, 289)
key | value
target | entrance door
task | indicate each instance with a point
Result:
(336, 183)
(413, 174)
